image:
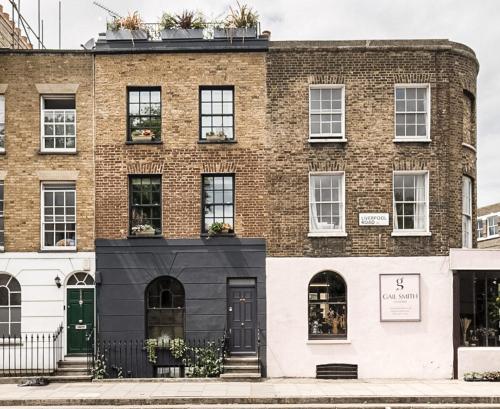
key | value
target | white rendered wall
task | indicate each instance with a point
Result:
(42, 303)
(380, 349)
(480, 359)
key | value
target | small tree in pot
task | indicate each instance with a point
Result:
(241, 22)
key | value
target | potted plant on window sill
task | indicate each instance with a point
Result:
(126, 28)
(219, 228)
(215, 136)
(143, 230)
(188, 25)
(144, 135)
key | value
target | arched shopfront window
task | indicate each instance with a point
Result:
(10, 306)
(165, 309)
(327, 306)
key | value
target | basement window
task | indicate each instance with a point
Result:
(58, 123)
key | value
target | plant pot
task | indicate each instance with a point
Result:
(124, 34)
(145, 233)
(235, 32)
(215, 138)
(182, 34)
(141, 138)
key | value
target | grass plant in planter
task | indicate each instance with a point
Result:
(126, 28)
(218, 228)
(241, 22)
(188, 25)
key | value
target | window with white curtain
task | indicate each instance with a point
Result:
(326, 203)
(466, 212)
(411, 202)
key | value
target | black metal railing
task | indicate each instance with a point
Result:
(258, 350)
(31, 354)
(142, 358)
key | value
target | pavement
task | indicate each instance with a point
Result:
(270, 393)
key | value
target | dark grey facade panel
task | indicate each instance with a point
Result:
(126, 268)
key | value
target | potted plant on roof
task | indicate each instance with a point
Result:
(241, 22)
(185, 26)
(126, 28)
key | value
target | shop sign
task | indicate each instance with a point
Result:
(399, 297)
(374, 219)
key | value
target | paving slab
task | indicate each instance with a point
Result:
(270, 393)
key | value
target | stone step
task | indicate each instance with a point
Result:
(242, 360)
(241, 368)
(241, 376)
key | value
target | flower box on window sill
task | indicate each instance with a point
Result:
(146, 135)
(215, 137)
(143, 230)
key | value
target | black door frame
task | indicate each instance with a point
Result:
(229, 286)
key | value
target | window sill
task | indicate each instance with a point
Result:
(56, 250)
(401, 140)
(143, 142)
(411, 233)
(49, 152)
(153, 236)
(2, 151)
(327, 234)
(203, 141)
(327, 140)
(493, 236)
(206, 236)
(328, 341)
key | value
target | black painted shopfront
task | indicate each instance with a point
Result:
(152, 288)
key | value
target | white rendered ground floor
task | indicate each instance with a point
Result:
(42, 282)
(425, 346)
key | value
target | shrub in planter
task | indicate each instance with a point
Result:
(187, 25)
(218, 228)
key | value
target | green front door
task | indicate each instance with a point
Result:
(80, 312)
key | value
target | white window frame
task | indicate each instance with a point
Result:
(328, 232)
(488, 235)
(42, 218)
(466, 216)
(485, 219)
(2, 214)
(331, 137)
(2, 97)
(426, 138)
(42, 122)
(414, 232)
(480, 231)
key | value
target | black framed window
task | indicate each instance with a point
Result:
(480, 308)
(144, 114)
(165, 299)
(217, 112)
(327, 297)
(218, 201)
(145, 205)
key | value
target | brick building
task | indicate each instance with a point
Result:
(10, 35)
(306, 199)
(488, 218)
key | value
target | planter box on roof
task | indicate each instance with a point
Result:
(124, 34)
(182, 34)
(235, 32)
